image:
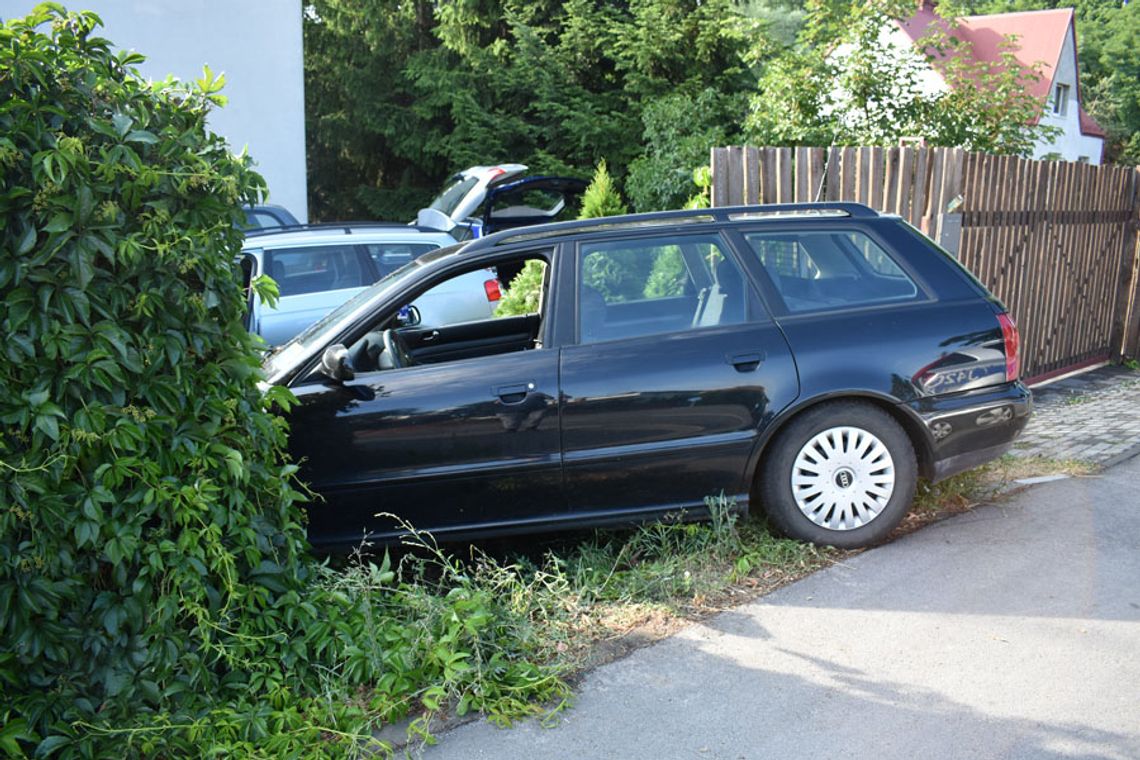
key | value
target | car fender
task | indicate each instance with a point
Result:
(911, 422)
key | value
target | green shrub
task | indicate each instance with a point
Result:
(150, 546)
(668, 276)
(601, 197)
(522, 295)
(156, 592)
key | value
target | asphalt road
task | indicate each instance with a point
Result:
(1010, 632)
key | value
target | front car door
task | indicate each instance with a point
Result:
(676, 370)
(450, 446)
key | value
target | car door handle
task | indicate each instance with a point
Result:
(430, 336)
(746, 361)
(513, 393)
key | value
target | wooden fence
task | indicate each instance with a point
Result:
(1056, 241)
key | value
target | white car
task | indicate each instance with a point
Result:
(319, 267)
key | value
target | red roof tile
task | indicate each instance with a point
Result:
(1040, 39)
(1089, 125)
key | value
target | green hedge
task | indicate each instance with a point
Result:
(157, 597)
(150, 545)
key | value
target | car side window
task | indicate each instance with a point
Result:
(631, 288)
(459, 317)
(314, 269)
(815, 271)
(389, 257)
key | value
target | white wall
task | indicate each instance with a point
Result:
(256, 43)
(1071, 144)
(898, 54)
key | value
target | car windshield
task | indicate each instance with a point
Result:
(282, 358)
(449, 199)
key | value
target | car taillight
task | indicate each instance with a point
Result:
(1012, 340)
(492, 288)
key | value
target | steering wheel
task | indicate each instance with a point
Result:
(396, 350)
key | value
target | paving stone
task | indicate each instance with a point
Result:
(1094, 417)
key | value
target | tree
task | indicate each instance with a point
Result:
(679, 130)
(866, 91)
(400, 95)
(601, 197)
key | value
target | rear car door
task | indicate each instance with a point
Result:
(675, 371)
(312, 280)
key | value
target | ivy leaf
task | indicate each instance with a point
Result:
(82, 267)
(26, 242)
(51, 744)
(59, 223)
(48, 425)
(122, 124)
(116, 681)
(141, 136)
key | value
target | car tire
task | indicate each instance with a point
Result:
(841, 474)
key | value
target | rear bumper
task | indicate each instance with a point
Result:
(969, 429)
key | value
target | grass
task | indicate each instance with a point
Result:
(987, 483)
(504, 632)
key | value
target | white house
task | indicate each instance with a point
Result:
(1043, 38)
(255, 43)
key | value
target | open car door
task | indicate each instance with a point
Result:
(532, 200)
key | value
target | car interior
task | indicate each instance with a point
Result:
(398, 340)
(313, 269)
(659, 287)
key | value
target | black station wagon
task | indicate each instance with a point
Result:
(812, 360)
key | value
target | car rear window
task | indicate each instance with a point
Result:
(830, 269)
(315, 269)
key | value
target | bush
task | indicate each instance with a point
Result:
(156, 592)
(150, 545)
(601, 197)
(522, 295)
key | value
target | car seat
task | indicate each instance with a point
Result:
(592, 314)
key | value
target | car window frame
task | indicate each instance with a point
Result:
(306, 372)
(575, 257)
(774, 299)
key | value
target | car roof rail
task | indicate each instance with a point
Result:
(347, 227)
(799, 210)
(758, 212)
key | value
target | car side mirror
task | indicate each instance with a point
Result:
(334, 363)
(409, 316)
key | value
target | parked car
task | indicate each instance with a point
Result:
(268, 215)
(319, 267)
(486, 199)
(811, 359)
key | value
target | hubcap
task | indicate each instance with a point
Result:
(843, 478)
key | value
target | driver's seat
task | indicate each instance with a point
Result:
(365, 356)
